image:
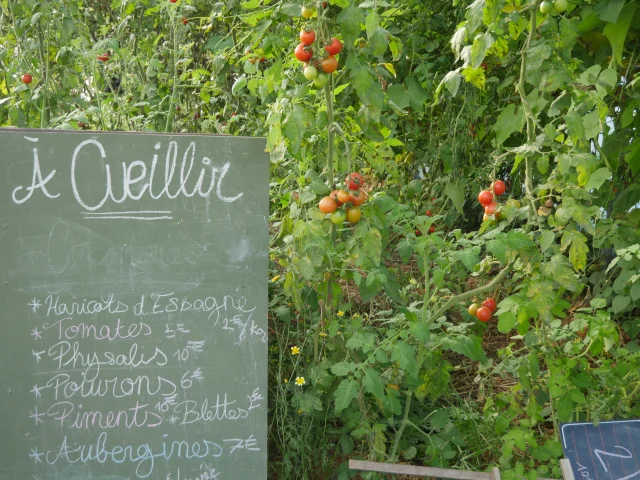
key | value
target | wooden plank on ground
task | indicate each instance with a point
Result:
(431, 472)
(418, 471)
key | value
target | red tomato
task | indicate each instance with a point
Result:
(307, 36)
(483, 314)
(302, 54)
(354, 181)
(485, 197)
(490, 303)
(173, 1)
(335, 47)
(185, 21)
(328, 205)
(428, 213)
(432, 229)
(491, 208)
(418, 233)
(329, 64)
(358, 197)
(499, 187)
(27, 79)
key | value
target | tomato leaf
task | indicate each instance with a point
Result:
(547, 238)
(372, 246)
(346, 392)
(456, 193)
(509, 121)
(404, 354)
(597, 178)
(559, 270)
(617, 32)
(518, 240)
(498, 249)
(372, 383)
(469, 345)
(506, 322)
(620, 303)
(350, 21)
(578, 253)
(343, 368)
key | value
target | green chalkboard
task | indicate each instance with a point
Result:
(134, 306)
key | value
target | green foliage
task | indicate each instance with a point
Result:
(394, 367)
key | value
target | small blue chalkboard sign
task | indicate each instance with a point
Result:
(607, 451)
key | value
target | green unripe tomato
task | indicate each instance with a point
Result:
(545, 7)
(321, 80)
(310, 73)
(307, 11)
(338, 217)
(560, 6)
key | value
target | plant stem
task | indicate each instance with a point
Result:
(174, 92)
(404, 423)
(530, 119)
(463, 296)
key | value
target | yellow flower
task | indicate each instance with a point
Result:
(275, 279)
(300, 381)
(356, 315)
(299, 412)
(412, 281)
(286, 380)
(295, 350)
(323, 334)
(340, 313)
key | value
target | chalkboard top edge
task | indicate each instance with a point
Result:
(101, 132)
(629, 420)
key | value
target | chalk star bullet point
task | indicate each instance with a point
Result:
(36, 390)
(37, 355)
(36, 416)
(35, 304)
(35, 333)
(35, 455)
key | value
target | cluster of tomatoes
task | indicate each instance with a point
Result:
(485, 311)
(344, 205)
(559, 6)
(316, 70)
(486, 198)
(103, 57)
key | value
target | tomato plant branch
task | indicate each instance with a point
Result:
(471, 293)
(405, 421)
(174, 92)
(530, 118)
